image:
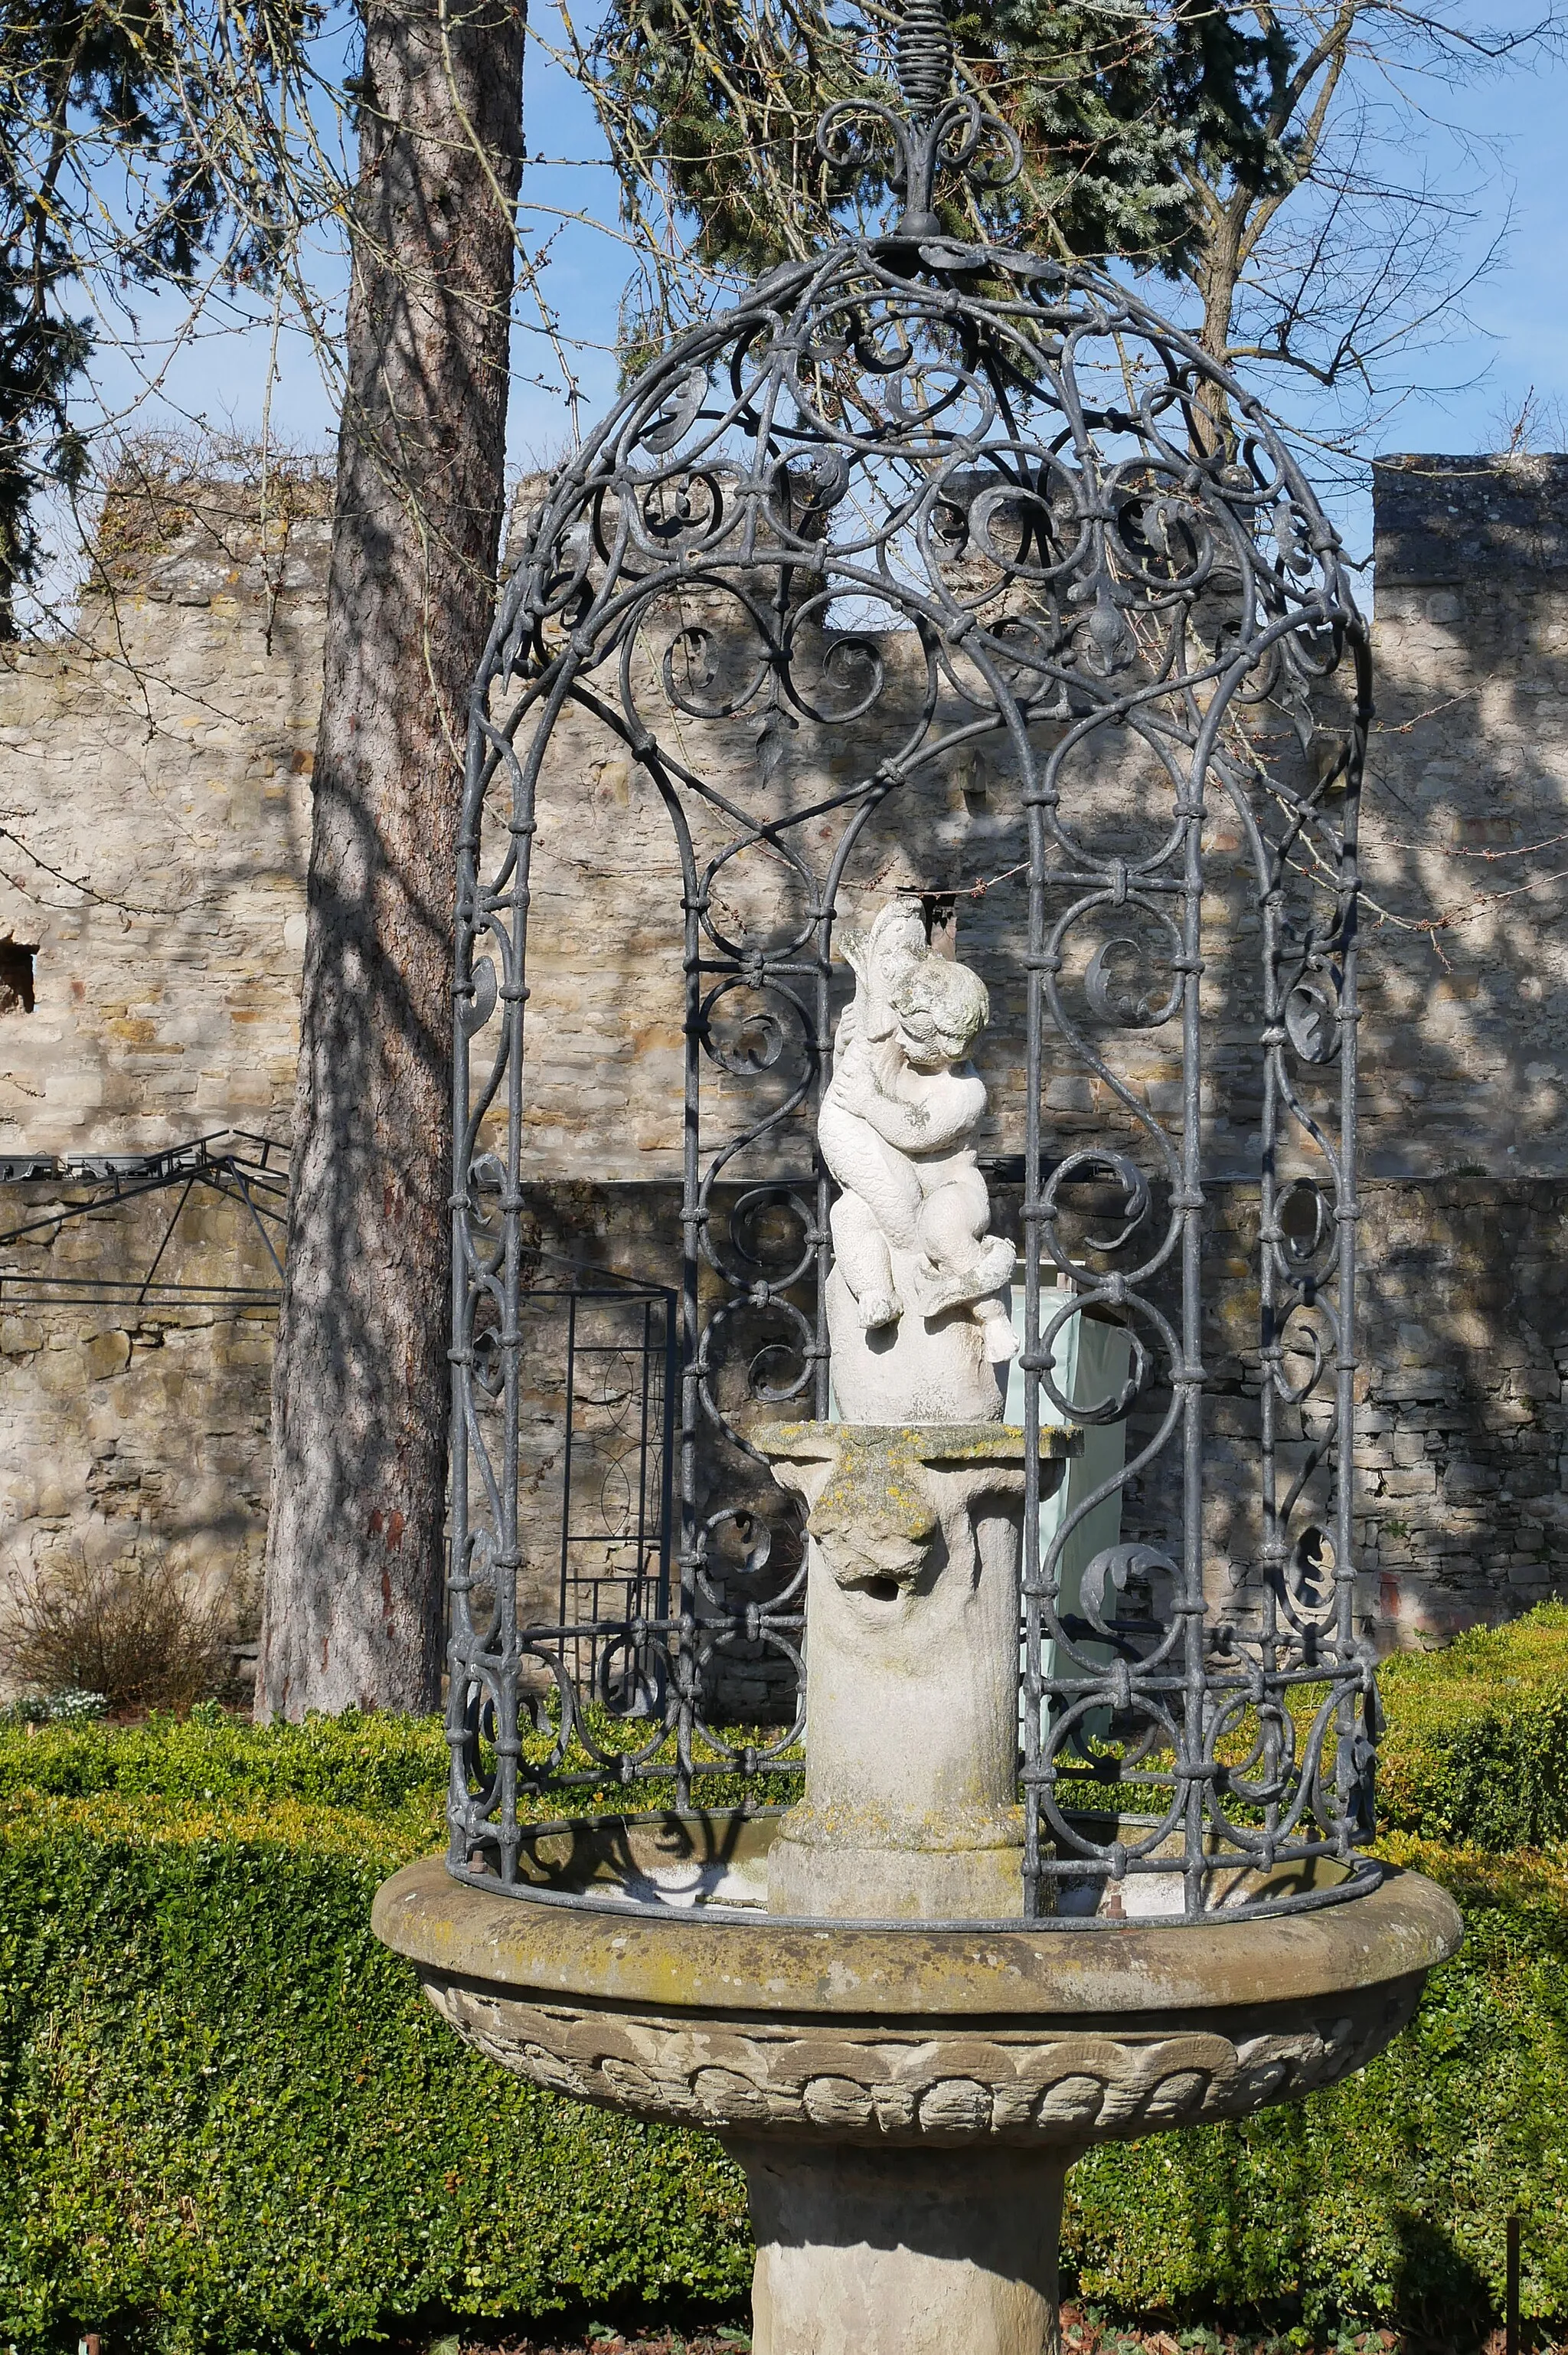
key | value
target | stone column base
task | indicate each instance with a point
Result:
(899, 2252)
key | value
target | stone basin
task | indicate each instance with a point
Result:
(905, 2097)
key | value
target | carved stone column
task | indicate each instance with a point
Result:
(910, 1809)
(904, 2251)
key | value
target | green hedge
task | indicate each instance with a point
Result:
(1385, 2199)
(1476, 1751)
(392, 1768)
(228, 2121)
(1476, 1748)
(388, 1768)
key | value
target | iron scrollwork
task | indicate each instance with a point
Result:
(935, 496)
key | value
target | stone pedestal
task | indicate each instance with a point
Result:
(905, 2097)
(911, 1692)
(903, 2251)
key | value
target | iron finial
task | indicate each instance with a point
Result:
(923, 57)
(937, 133)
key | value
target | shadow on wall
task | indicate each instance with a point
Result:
(162, 761)
(155, 786)
(135, 1361)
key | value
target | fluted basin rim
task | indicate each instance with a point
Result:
(1402, 1925)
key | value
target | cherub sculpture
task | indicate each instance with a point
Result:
(896, 1116)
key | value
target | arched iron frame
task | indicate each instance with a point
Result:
(1087, 529)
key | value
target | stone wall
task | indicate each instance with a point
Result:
(136, 1428)
(154, 794)
(1464, 1339)
(1467, 825)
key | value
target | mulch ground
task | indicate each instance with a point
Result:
(1084, 2332)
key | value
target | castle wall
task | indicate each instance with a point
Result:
(154, 792)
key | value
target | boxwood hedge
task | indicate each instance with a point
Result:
(1477, 1747)
(228, 2120)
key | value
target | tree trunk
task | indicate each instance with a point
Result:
(352, 1604)
(1218, 276)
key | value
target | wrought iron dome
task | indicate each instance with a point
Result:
(915, 502)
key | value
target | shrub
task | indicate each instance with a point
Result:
(1476, 1748)
(383, 1768)
(229, 2122)
(128, 1629)
(1385, 2199)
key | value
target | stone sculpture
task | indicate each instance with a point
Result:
(849, 1993)
(918, 1305)
(910, 1806)
(915, 1496)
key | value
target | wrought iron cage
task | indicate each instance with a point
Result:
(919, 511)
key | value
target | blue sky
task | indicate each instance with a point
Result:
(1521, 304)
(218, 378)
(1469, 385)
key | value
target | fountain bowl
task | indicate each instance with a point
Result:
(637, 1967)
(905, 2096)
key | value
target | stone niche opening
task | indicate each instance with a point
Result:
(17, 975)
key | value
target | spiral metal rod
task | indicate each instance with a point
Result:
(923, 54)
